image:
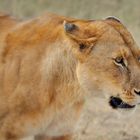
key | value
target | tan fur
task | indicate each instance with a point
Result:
(45, 77)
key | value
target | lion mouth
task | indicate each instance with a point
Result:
(116, 102)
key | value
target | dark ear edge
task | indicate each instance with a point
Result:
(69, 27)
(113, 18)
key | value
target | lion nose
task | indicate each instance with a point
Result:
(137, 92)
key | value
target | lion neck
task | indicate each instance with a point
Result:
(60, 74)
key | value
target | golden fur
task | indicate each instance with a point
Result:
(51, 65)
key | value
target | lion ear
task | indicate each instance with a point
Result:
(83, 43)
(77, 34)
(113, 19)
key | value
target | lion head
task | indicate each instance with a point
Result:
(108, 60)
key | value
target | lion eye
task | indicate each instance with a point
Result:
(119, 61)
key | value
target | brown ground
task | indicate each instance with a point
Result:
(103, 123)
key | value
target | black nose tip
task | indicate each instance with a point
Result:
(115, 102)
(137, 92)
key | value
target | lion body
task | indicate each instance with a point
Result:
(35, 93)
(41, 87)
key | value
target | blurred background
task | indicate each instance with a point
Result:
(128, 11)
(100, 122)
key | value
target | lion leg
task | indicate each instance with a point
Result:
(43, 137)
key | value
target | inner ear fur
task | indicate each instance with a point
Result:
(83, 47)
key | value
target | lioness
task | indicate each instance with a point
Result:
(51, 65)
